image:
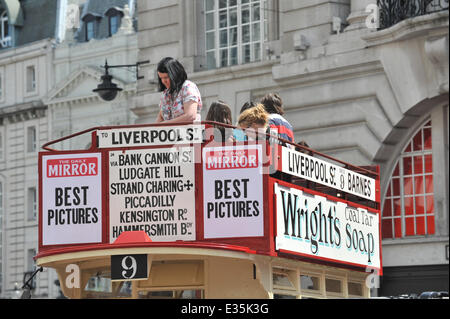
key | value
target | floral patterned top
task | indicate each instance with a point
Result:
(174, 108)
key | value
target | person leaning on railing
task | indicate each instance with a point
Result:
(273, 104)
(180, 98)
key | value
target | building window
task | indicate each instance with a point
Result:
(5, 38)
(114, 23)
(31, 139)
(31, 78)
(235, 31)
(1, 84)
(333, 286)
(89, 30)
(1, 145)
(408, 208)
(32, 203)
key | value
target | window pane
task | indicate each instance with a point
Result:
(245, 15)
(210, 5)
(255, 12)
(396, 170)
(209, 21)
(233, 36)
(430, 225)
(429, 184)
(233, 17)
(409, 226)
(246, 53)
(256, 32)
(256, 51)
(418, 184)
(430, 204)
(246, 34)
(397, 207)
(210, 40)
(407, 166)
(282, 280)
(210, 60)
(233, 56)
(223, 19)
(428, 164)
(223, 38)
(398, 227)
(409, 205)
(222, 4)
(408, 148)
(232, 3)
(309, 282)
(417, 142)
(427, 138)
(244, 1)
(388, 192)
(408, 186)
(355, 289)
(420, 225)
(386, 228)
(420, 205)
(387, 209)
(224, 57)
(333, 285)
(418, 165)
(396, 187)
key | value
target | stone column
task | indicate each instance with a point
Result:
(358, 15)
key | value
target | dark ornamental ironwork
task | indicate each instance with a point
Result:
(394, 11)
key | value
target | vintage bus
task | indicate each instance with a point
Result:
(169, 211)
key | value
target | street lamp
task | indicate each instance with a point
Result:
(108, 90)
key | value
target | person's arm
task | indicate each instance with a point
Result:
(190, 113)
(159, 118)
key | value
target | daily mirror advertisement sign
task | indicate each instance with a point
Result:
(149, 136)
(322, 172)
(233, 191)
(315, 226)
(153, 190)
(71, 199)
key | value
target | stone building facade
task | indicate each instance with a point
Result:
(357, 84)
(50, 61)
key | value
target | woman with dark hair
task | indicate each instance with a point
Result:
(180, 99)
(220, 112)
(274, 106)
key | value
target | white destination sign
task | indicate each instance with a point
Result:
(152, 190)
(71, 199)
(315, 226)
(233, 191)
(149, 136)
(322, 172)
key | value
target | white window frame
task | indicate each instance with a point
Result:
(217, 30)
(31, 138)
(402, 196)
(2, 145)
(32, 201)
(30, 91)
(5, 41)
(2, 84)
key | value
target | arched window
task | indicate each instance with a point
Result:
(5, 38)
(408, 208)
